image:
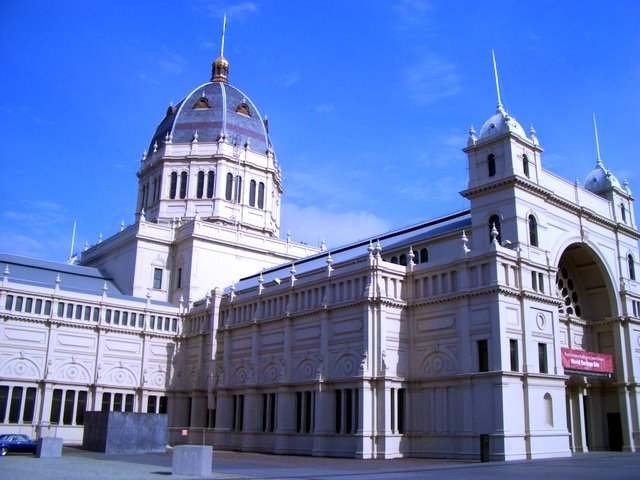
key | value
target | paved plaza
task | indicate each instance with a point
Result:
(78, 464)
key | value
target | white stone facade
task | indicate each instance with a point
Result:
(443, 339)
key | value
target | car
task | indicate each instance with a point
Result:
(17, 443)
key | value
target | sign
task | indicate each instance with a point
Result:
(585, 362)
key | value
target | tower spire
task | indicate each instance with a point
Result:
(495, 72)
(595, 128)
(220, 67)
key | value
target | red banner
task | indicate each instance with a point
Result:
(586, 361)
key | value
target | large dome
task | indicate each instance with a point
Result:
(499, 123)
(211, 111)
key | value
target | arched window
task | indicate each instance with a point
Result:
(261, 195)
(238, 190)
(525, 165)
(623, 211)
(174, 185)
(243, 108)
(183, 185)
(252, 193)
(424, 255)
(491, 160)
(229, 187)
(403, 260)
(200, 189)
(494, 221)
(533, 231)
(632, 267)
(211, 176)
(394, 260)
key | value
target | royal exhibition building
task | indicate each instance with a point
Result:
(508, 330)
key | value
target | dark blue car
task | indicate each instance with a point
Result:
(17, 443)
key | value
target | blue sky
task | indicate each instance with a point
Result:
(369, 102)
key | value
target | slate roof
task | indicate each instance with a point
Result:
(406, 236)
(73, 278)
(210, 109)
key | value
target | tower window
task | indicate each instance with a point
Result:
(200, 189)
(494, 221)
(252, 193)
(491, 160)
(623, 212)
(261, 195)
(211, 176)
(533, 231)
(183, 185)
(229, 187)
(632, 268)
(174, 185)
(525, 165)
(238, 189)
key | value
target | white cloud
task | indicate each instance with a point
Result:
(415, 13)
(172, 63)
(432, 79)
(325, 108)
(311, 225)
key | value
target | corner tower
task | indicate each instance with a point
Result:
(211, 158)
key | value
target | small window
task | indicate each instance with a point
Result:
(623, 211)
(203, 102)
(525, 165)
(513, 354)
(157, 278)
(243, 108)
(483, 355)
(542, 358)
(632, 268)
(491, 161)
(424, 255)
(179, 278)
(403, 260)
(533, 231)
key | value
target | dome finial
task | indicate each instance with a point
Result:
(595, 129)
(495, 72)
(220, 67)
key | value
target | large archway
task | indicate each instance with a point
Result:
(588, 305)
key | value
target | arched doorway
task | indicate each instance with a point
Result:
(587, 316)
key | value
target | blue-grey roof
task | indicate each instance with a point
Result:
(73, 278)
(411, 235)
(212, 109)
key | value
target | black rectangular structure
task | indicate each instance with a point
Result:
(125, 432)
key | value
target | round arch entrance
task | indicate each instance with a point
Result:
(588, 307)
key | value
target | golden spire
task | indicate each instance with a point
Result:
(220, 67)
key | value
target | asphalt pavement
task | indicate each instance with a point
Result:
(77, 464)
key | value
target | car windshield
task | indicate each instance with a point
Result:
(15, 438)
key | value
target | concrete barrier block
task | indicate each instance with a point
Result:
(192, 460)
(49, 447)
